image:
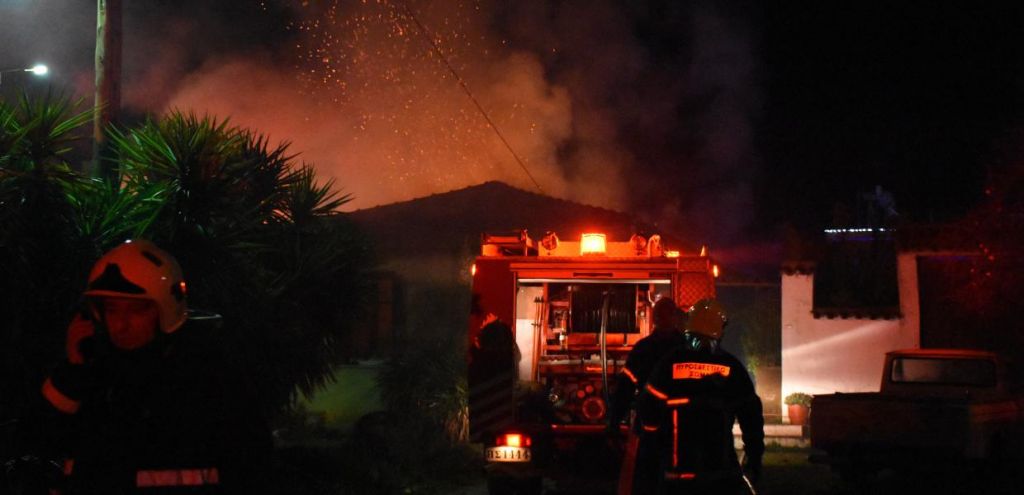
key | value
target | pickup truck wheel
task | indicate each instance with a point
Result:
(514, 486)
(1001, 460)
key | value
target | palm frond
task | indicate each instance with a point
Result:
(305, 199)
(47, 126)
(108, 213)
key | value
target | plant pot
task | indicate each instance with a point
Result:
(798, 414)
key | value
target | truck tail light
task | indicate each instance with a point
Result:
(513, 440)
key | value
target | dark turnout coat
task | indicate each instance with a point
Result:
(639, 363)
(689, 404)
(647, 352)
(172, 417)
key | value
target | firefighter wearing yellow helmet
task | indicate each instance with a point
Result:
(691, 400)
(149, 399)
(705, 325)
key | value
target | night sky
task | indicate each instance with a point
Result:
(917, 99)
(727, 120)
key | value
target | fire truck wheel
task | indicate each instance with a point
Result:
(513, 486)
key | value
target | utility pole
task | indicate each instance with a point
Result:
(108, 83)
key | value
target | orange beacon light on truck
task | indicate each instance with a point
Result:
(592, 244)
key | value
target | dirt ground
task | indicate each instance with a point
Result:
(788, 472)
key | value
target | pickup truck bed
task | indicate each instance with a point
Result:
(917, 421)
(871, 426)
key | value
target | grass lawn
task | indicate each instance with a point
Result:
(353, 394)
(787, 471)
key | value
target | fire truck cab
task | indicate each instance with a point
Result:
(576, 308)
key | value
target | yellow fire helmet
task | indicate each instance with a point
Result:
(707, 318)
(138, 269)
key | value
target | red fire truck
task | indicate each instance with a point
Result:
(576, 308)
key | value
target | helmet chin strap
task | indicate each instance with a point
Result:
(101, 343)
(699, 343)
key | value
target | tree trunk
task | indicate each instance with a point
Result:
(108, 83)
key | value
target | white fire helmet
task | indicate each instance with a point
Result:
(138, 269)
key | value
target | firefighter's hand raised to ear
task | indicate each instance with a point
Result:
(67, 383)
(149, 396)
(80, 339)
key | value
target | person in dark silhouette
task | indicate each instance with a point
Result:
(689, 404)
(491, 376)
(640, 461)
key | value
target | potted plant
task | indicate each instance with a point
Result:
(799, 405)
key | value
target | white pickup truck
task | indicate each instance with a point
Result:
(936, 407)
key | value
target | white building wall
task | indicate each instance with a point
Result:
(822, 355)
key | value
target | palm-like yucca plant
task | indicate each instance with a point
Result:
(42, 254)
(200, 161)
(108, 213)
(37, 134)
(259, 240)
(306, 201)
(427, 376)
(316, 275)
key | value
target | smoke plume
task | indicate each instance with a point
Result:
(637, 106)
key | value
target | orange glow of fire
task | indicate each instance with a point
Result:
(671, 254)
(714, 271)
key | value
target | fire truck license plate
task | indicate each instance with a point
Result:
(508, 454)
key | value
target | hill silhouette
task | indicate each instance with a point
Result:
(447, 222)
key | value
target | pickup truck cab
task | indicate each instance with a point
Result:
(935, 407)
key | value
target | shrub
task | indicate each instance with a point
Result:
(798, 398)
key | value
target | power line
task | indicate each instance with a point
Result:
(437, 50)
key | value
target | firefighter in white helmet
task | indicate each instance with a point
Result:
(691, 399)
(155, 403)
